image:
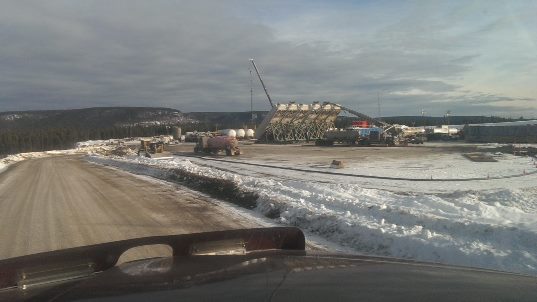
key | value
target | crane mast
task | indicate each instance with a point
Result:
(262, 84)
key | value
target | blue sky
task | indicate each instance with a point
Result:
(469, 57)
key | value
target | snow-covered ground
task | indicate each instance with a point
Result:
(487, 223)
(110, 142)
(448, 172)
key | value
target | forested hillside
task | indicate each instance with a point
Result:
(29, 140)
(29, 131)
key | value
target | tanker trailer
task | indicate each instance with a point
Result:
(216, 144)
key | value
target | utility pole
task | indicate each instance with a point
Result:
(378, 104)
(448, 113)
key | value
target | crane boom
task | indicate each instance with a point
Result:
(363, 116)
(262, 84)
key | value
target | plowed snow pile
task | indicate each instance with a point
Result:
(94, 147)
(492, 227)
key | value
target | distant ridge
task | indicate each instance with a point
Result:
(41, 130)
(105, 117)
(88, 118)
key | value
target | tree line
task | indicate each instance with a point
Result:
(31, 140)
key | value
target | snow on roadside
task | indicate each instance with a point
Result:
(143, 167)
(95, 148)
(493, 228)
(15, 158)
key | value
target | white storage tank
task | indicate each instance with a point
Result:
(176, 132)
(241, 133)
(228, 132)
(250, 133)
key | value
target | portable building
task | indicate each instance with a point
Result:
(507, 132)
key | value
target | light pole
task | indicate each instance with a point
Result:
(423, 112)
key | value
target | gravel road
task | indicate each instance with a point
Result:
(60, 202)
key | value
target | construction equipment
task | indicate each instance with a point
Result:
(262, 83)
(416, 139)
(368, 131)
(292, 122)
(153, 149)
(390, 136)
(414, 135)
(364, 117)
(355, 136)
(216, 144)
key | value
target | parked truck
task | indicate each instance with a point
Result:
(217, 144)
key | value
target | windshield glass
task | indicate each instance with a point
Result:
(388, 128)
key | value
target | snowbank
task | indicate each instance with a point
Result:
(490, 228)
(95, 148)
(11, 159)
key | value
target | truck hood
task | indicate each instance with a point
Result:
(279, 272)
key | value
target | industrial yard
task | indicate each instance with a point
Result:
(446, 201)
(309, 151)
(424, 202)
(268, 149)
(370, 187)
(433, 167)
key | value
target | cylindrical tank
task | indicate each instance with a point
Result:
(221, 142)
(249, 133)
(227, 143)
(176, 132)
(228, 132)
(241, 133)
